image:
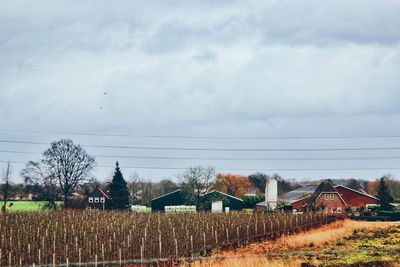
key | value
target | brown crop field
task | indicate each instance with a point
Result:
(75, 237)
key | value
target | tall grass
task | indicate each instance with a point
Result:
(316, 238)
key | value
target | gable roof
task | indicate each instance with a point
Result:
(300, 199)
(337, 193)
(170, 193)
(325, 186)
(355, 191)
(103, 193)
(216, 191)
(98, 192)
(301, 192)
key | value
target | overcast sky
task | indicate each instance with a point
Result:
(204, 69)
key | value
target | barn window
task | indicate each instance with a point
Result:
(332, 196)
(326, 197)
(96, 200)
(339, 209)
(90, 200)
(333, 210)
(102, 199)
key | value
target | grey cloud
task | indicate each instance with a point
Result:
(201, 67)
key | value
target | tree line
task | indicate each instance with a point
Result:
(65, 170)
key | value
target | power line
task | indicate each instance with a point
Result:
(234, 169)
(216, 158)
(218, 149)
(197, 137)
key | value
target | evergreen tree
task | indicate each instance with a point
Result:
(119, 192)
(353, 184)
(384, 196)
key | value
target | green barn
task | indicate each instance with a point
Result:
(180, 197)
(232, 202)
(175, 198)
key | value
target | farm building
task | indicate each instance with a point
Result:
(228, 201)
(180, 197)
(334, 198)
(175, 198)
(356, 200)
(98, 200)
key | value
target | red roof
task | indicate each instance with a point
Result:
(355, 198)
(349, 196)
(104, 194)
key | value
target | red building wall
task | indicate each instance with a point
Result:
(298, 205)
(354, 199)
(332, 202)
(331, 205)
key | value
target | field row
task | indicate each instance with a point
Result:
(58, 237)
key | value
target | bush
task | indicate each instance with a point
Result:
(393, 215)
(372, 218)
(366, 213)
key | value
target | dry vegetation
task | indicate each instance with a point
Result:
(325, 238)
(58, 237)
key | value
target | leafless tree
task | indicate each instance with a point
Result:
(134, 182)
(38, 176)
(69, 164)
(64, 165)
(6, 185)
(197, 181)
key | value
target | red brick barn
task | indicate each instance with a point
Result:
(356, 200)
(300, 203)
(325, 197)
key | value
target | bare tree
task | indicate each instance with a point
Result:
(69, 164)
(38, 176)
(64, 164)
(89, 186)
(197, 181)
(6, 186)
(134, 183)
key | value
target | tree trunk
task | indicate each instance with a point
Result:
(65, 201)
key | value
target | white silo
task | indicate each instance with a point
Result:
(271, 194)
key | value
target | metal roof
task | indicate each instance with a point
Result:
(166, 194)
(222, 194)
(301, 192)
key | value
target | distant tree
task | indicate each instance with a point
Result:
(166, 186)
(89, 186)
(133, 183)
(393, 185)
(41, 180)
(119, 192)
(69, 164)
(283, 185)
(259, 180)
(250, 202)
(231, 184)
(5, 186)
(147, 192)
(353, 184)
(383, 194)
(196, 181)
